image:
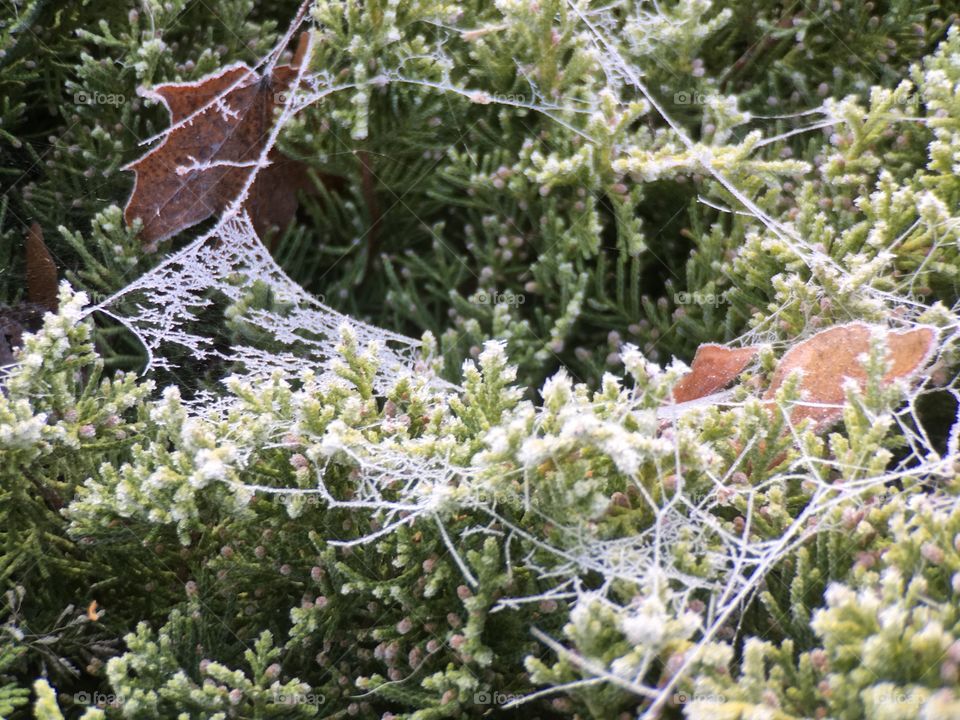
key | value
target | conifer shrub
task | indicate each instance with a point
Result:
(426, 442)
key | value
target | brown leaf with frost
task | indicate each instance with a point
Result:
(713, 368)
(202, 165)
(831, 356)
(42, 296)
(42, 286)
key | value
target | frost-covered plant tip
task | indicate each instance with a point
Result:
(455, 360)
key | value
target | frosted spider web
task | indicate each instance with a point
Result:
(228, 261)
(403, 483)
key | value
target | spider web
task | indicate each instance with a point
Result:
(219, 269)
(403, 483)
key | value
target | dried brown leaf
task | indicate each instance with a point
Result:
(713, 368)
(202, 165)
(831, 356)
(41, 271)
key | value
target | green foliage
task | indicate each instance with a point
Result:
(473, 199)
(151, 684)
(11, 696)
(887, 644)
(47, 708)
(484, 176)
